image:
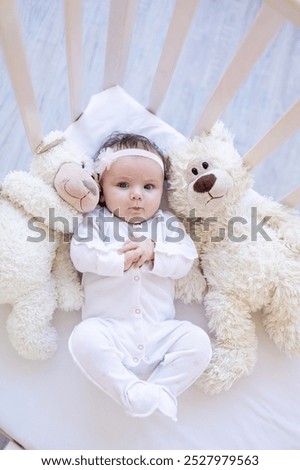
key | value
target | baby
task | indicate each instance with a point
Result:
(130, 252)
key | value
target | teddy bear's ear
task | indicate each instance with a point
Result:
(51, 140)
(219, 131)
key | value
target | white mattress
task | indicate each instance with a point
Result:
(51, 405)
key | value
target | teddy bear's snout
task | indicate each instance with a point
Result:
(204, 183)
(91, 186)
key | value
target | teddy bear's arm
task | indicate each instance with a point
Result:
(283, 220)
(40, 200)
(67, 281)
(191, 287)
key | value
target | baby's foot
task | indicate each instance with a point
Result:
(142, 399)
(167, 403)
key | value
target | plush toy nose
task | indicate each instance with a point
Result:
(204, 183)
(91, 186)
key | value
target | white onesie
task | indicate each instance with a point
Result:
(129, 343)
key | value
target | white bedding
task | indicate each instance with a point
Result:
(50, 405)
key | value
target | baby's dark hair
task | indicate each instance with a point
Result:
(123, 140)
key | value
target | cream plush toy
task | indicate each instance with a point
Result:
(38, 211)
(249, 250)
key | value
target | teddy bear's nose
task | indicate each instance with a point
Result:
(204, 183)
(90, 186)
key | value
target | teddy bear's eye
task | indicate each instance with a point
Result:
(82, 165)
(205, 165)
(194, 171)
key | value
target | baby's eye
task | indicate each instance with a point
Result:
(148, 187)
(123, 185)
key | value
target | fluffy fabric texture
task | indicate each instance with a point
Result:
(249, 255)
(36, 274)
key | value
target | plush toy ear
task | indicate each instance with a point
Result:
(51, 140)
(218, 131)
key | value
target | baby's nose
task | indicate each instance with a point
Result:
(136, 195)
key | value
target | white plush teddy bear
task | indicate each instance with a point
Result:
(38, 211)
(249, 250)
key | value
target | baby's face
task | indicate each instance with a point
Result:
(132, 188)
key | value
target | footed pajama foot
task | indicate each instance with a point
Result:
(144, 398)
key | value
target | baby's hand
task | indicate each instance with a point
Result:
(137, 253)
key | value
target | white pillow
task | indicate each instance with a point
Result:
(114, 110)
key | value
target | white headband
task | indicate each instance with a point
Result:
(106, 158)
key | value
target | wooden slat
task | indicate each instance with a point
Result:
(292, 199)
(73, 20)
(281, 131)
(290, 9)
(178, 30)
(12, 445)
(264, 27)
(121, 21)
(16, 60)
